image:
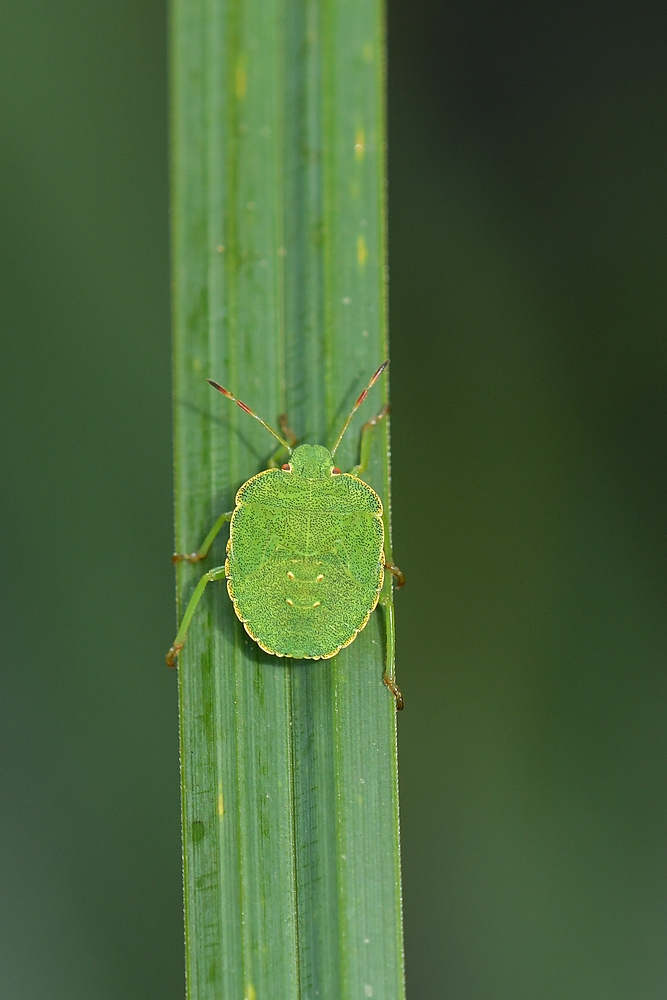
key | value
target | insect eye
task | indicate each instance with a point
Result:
(287, 467)
(335, 471)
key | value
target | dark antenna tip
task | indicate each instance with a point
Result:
(246, 409)
(361, 398)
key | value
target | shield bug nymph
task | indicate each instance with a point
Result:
(306, 561)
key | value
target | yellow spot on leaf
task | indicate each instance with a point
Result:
(362, 252)
(367, 52)
(250, 993)
(221, 802)
(359, 144)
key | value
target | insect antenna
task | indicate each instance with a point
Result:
(246, 409)
(358, 404)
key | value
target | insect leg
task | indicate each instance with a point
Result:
(213, 574)
(366, 438)
(202, 552)
(398, 574)
(288, 433)
(290, 437)
(390, 652)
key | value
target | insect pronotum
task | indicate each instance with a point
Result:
(306, 558)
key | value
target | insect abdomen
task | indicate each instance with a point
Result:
(305, 580)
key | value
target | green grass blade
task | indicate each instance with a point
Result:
(290, 808)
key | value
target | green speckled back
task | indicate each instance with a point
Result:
(304, 566)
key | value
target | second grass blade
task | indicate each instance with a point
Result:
(290, 812)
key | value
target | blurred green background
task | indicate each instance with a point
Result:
(528, 211)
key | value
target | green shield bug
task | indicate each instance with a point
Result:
(306, 560)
